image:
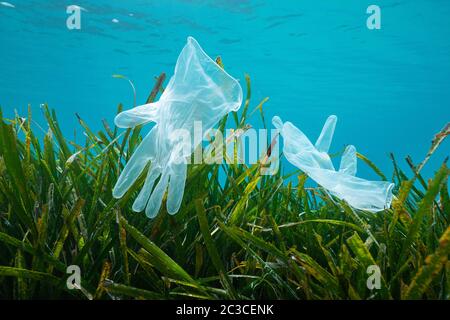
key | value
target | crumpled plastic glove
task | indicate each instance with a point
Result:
(314, 160)
(200, 90)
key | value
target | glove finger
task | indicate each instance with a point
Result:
(277, 122)
(136, 116)
(349, 161)
(144, 195)
(136, 164)
(326, 136)
(154, 204)
(176, 187)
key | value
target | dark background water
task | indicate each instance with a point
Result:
(389, 87)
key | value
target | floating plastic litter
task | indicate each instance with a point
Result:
(199, 91)
(316, 163)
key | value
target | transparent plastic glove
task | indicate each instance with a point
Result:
(315, 162)
(199, 91)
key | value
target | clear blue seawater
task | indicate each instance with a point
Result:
(390, 88)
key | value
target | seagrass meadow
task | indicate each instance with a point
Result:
(244, 236)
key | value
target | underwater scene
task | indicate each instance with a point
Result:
(224, 150)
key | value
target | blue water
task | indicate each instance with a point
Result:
(390, 88)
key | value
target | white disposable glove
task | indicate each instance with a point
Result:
(199, 91)
(315, 162)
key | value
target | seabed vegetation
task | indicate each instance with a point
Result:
(238, 235)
